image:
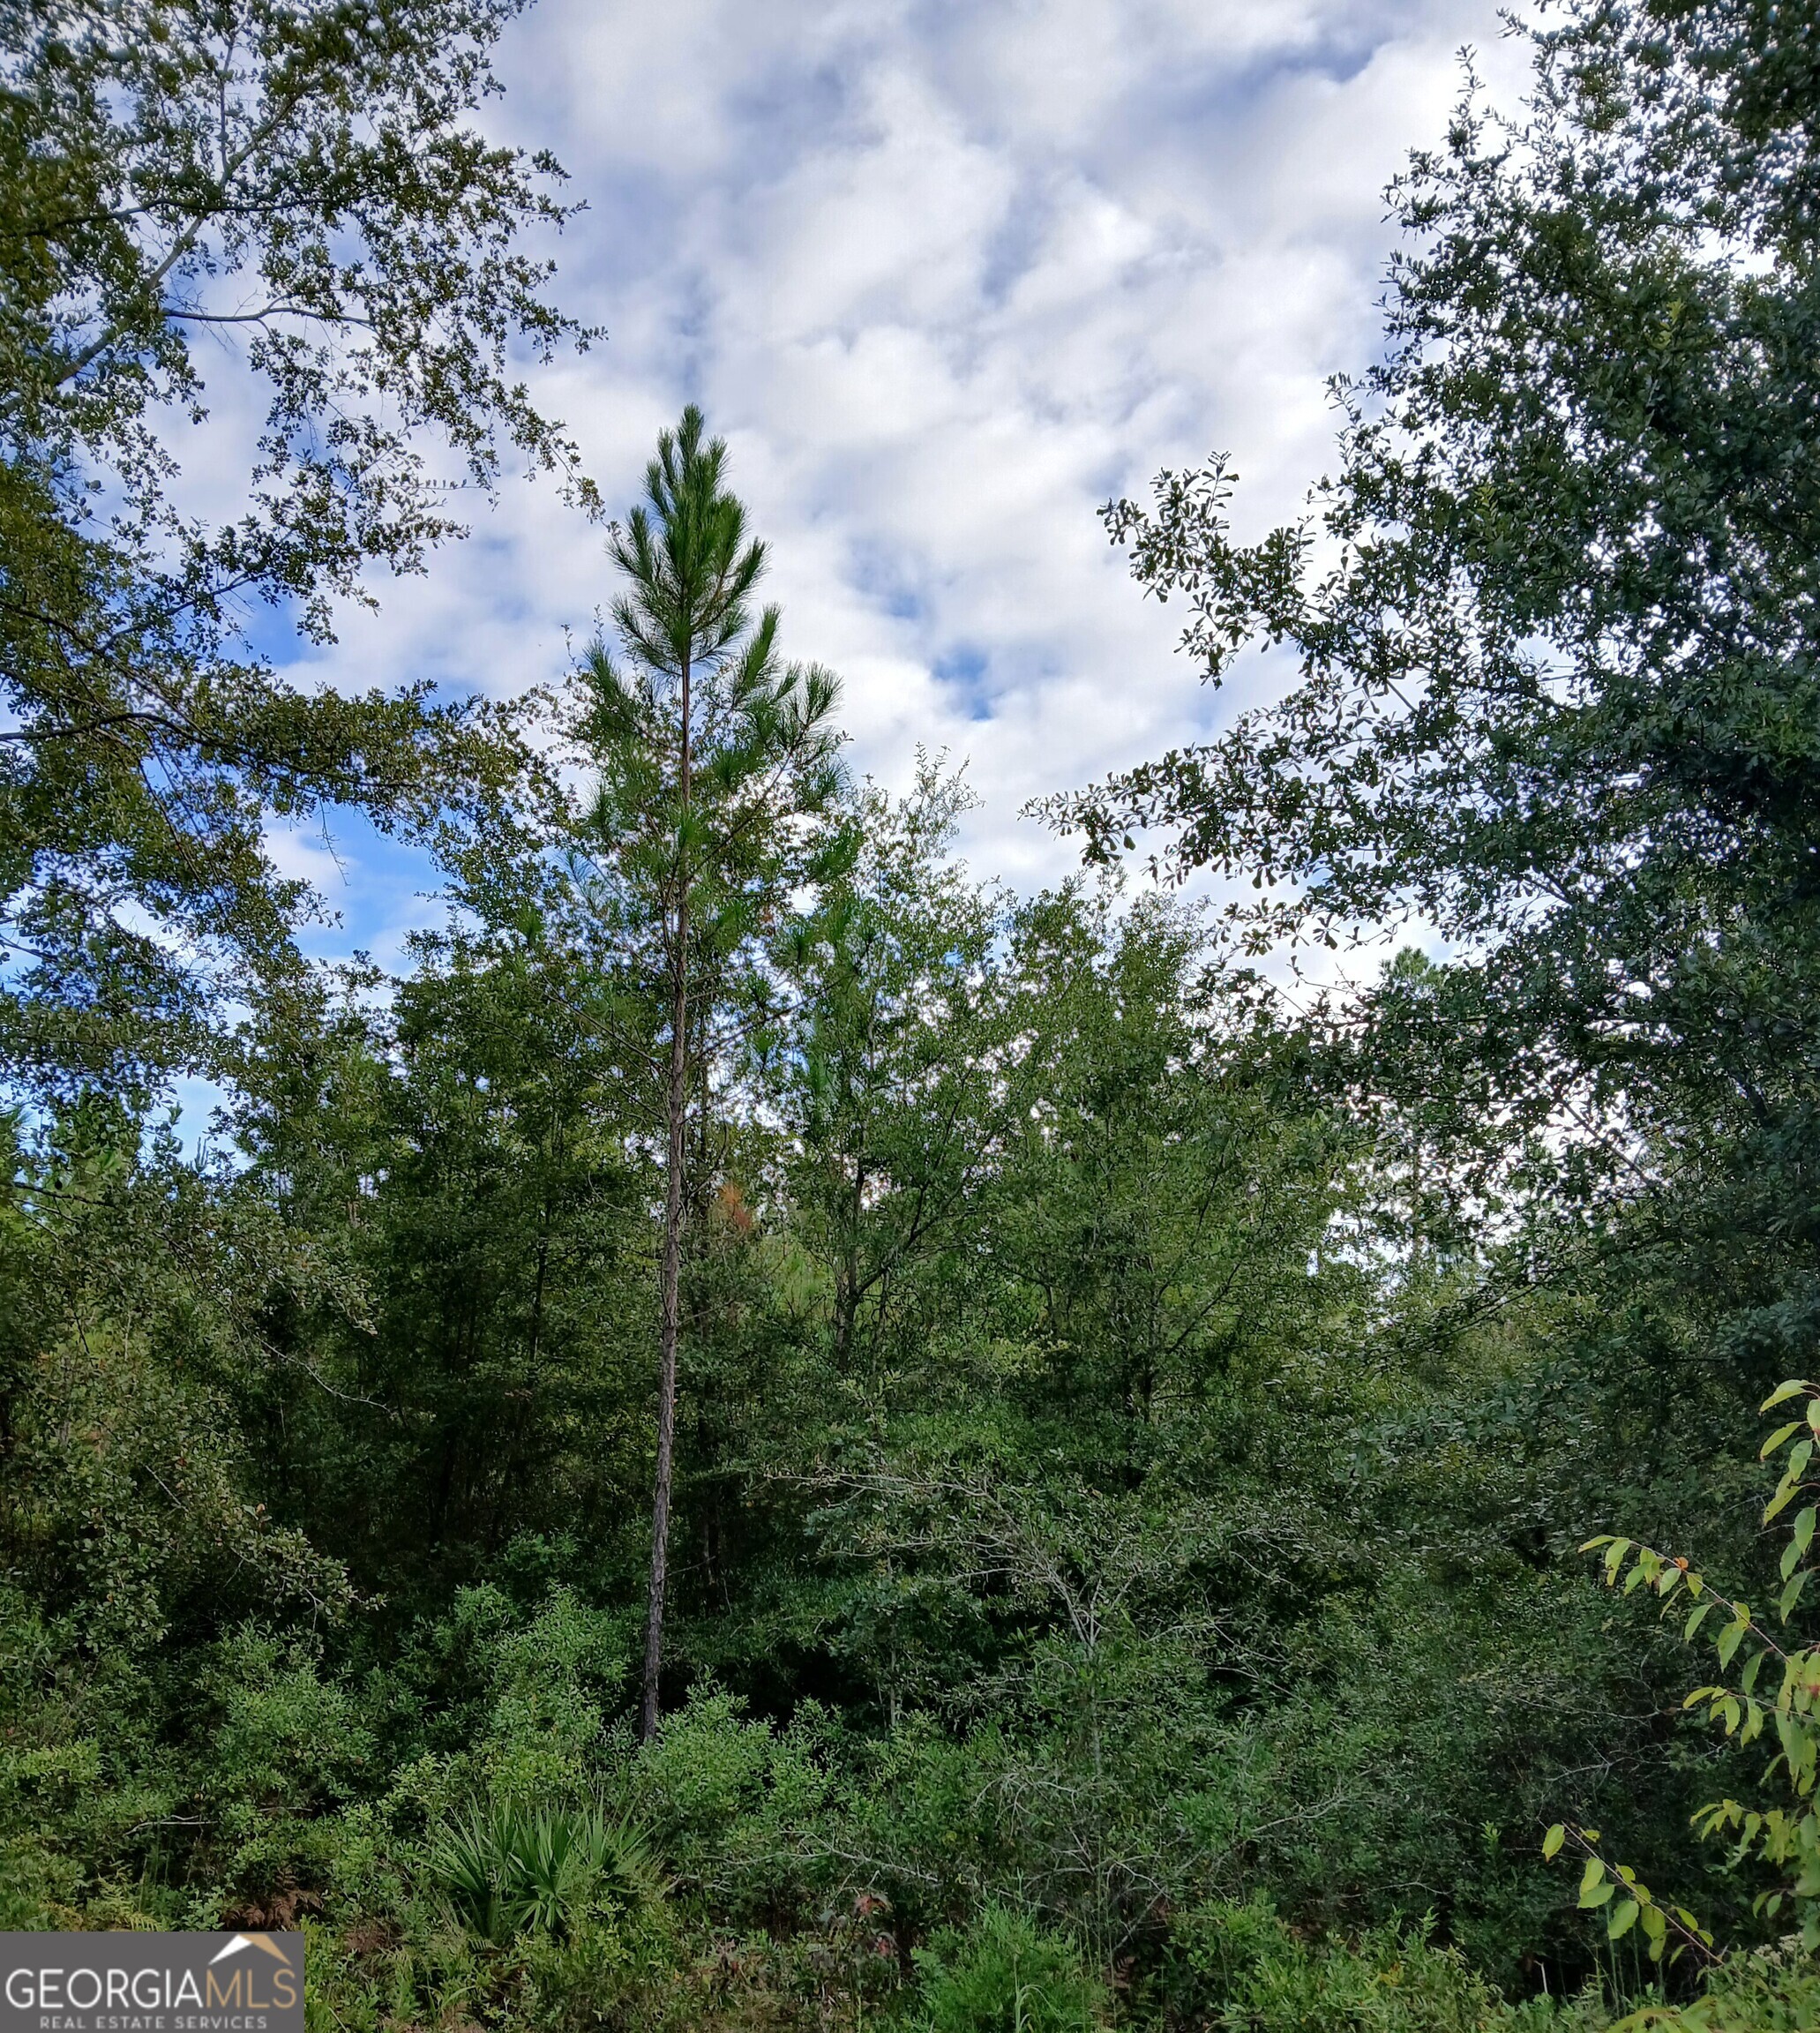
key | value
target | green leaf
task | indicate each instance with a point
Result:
(1781, 1394)
(1553, 1840)
(1623, 1918)
(1591, 1876)
(1698, 1617)
(1777, 1438)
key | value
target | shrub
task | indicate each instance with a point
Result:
(505, 1868)
(740, 1806)
(1255, 1975)
(1777, 1991)
(1005, 1975)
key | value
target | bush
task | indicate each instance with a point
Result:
(1006, 1974)
(506, 1868)
(739, 1806)
(1767, 1992)
(1253, 1975)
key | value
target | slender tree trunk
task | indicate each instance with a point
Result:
(847, 1278)
(670, 1274)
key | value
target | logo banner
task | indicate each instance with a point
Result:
(151, 1983)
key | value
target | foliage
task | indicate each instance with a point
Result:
(1006, 1975)
(1261, 1979)
(1553, 704)
(1555, 697)
(1122, 1430)
(506, 1866)
(713, 760)
(298, 182)
(1784, 1838)
(1766, 1993)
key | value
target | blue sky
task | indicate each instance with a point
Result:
(946, 274)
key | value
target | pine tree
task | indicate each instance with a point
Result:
(714, 758)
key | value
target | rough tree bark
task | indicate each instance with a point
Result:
(670, 1273)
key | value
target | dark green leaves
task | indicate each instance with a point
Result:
(294, 187)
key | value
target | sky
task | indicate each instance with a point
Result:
(947, 274)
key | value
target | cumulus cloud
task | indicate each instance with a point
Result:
(948, 275)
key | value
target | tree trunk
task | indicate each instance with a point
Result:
(670, 1274)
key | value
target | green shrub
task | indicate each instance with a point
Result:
(506, 1868)
(741, 1807)
(1776, 1992)
(606, 1977)
(1255, 1975)
(1005, 1975)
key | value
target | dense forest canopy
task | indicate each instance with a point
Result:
(768, 1433)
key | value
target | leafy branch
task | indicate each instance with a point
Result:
(1784, 1837)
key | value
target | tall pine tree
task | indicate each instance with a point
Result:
(714, 758)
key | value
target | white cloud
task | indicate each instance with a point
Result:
(308, 854)
(947, 274)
